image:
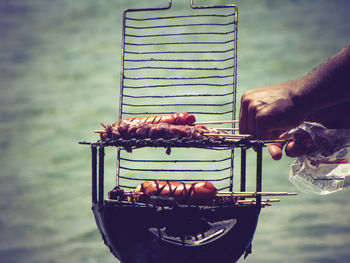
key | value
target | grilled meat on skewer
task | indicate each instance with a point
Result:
(197, 193)
(128, 130)
(179, 118)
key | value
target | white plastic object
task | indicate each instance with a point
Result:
(326, 168)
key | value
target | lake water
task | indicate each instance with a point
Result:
(59, 71)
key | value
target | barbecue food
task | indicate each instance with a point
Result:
(162, 126)
(127, 130)
(179, 118)
(168, 126)
(197, 193)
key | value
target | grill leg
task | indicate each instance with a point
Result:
(101, 154)
(94, 174)
(259, 173)
(243, 168)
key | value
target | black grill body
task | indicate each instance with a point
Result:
(153, 234)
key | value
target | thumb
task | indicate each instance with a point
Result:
(302, 144)
(275, 150)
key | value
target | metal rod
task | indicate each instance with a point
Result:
(181, 25)
(174, 170)
(194, 6)
(167, 112)
(180, 60)
(181, 52)
(101, 154)
(180, 34)
(259, 173)
(178, 104)
(232, 168)
(180, 16)
(180, 43)
(174, 160)
(178, 68)
(118, 167)
(234, 70)
(182, 85)
(243, 169)
(94, 174)
(174, 180)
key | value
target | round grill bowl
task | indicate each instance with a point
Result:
(167, 234)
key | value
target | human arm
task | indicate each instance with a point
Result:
(323, 96)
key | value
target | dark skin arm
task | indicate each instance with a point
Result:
(322, 96)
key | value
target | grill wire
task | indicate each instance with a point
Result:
(178, 61)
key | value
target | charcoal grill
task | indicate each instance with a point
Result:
(178, 61)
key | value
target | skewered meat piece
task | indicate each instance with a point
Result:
(197, 193)
(154, 131)
(179, 118)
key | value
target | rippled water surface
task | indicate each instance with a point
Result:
(59, 71)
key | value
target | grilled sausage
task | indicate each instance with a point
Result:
(197, 193)
(177, 125)
(137, 130)
(179, 118)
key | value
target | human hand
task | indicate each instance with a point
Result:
(321, 96)
(268, 112)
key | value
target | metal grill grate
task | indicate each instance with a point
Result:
(178, 61)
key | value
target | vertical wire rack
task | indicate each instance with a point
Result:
(178, 61)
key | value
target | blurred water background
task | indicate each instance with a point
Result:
(59, 72)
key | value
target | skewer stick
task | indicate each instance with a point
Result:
(234, 194)
(227, 129)
(228, 135)
(264, 201)
(99, 131)
(249, 136)
(215, 122)
(254, 194)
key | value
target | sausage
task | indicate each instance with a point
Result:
(197, 193)
(168, 126)
(179, 118)
(138, 130)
